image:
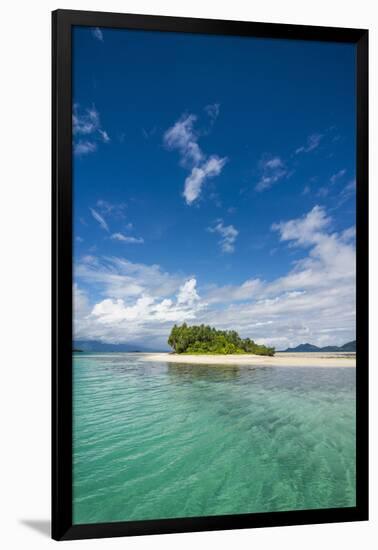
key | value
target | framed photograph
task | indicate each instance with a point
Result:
(210, 275)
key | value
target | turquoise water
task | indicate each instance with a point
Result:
(158, 440)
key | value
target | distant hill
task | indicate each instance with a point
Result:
(94, 345)
(349, 346)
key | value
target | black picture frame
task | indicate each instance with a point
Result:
(62, 23)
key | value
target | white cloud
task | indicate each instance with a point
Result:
(187, 293)
(348, 234)
(304, 230)
(97, 33)
(272, 170)
(213, 111)
(127, 239)
(314, 301)
(313, 142)
(193, 183)
(181, 136)
(119, 278)
(116, 210)
(335, 177)
(249, 290)
(116, 320)
(104, 135)
(87, 123)
(350, 187)
(84, 147)
(99, 219)
(228, 235)
(80, 302)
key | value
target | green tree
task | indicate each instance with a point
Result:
(204, 339)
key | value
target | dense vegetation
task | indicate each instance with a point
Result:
(203, 339)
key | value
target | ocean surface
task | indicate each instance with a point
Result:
(158, 440)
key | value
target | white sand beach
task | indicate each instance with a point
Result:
(281, 359)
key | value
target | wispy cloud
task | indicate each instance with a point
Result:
(228, 234)
(87, 123)
(116, 210)
(272, 170)
(97, 33)
(127, 239)
(323, 192)
(213, 111)
(84, 147)
(313, 142)
(104, 135)
(148, 133)
(336, 177)
(182, 136)
(347, 192)
(99, 219)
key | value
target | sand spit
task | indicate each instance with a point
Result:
(319, 359)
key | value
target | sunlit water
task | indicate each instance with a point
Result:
(157, 440)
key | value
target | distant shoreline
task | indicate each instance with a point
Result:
(281, 359)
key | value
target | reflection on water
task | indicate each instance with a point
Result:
(209, 372)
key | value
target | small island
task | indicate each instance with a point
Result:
(206, 340)
(205, 345)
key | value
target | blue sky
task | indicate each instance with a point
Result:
(214, 181)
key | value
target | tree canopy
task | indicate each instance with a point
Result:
(202, 339)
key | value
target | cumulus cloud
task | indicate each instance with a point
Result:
(313, 301)
(193, 183)
(228, 234)
(182, 137)
(187, 293)
(119, 320)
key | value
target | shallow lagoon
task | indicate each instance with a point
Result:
(159, 440)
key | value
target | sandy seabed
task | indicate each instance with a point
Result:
(317, 359)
